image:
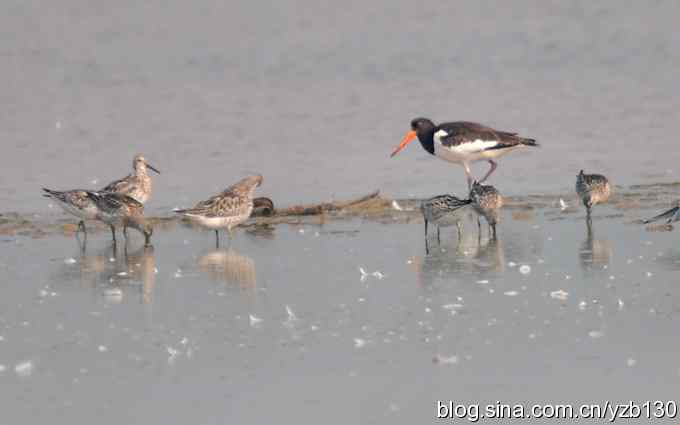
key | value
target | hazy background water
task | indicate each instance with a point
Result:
(315, 94)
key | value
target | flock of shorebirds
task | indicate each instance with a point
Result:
(121, 202)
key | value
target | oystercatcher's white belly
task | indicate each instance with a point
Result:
(478, 150)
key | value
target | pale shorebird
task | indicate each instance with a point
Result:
(116, 209)
(75, 202)
(463, 143)
(226, 210)
(443, 210)
(136, 185)
(671, 215)
(592, 189)
(487, 201)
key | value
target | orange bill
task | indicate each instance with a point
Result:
(410, 136)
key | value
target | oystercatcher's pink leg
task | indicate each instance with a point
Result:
(491, 170)
(468, 174)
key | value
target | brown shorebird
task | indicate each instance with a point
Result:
(487, 201)
(592, 189)
(116, 209)
(227, 209)
(136, 185)
(75, 202)
(443, 210)
(463, 143)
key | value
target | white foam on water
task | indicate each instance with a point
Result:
(440, 359)
(560, 294)
(525, 269)
(254, 320)
(595, 334)
(24, 368)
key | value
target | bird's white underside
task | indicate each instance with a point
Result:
(477, 150)
(218, 222)
(85, 214)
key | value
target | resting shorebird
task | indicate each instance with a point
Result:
(226, 210)
(670, 216)
(116, 209)
(136, 185)
(592, 189)
(487, 201)
(443, 210)
(75, 202)
(463, 143)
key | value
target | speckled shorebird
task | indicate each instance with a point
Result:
(670, 216)
(592, 189)
(116, 209)
(487, 201)
(463, 143)
(75, 202)
(226, 210)
(136, 185)
(443, 210)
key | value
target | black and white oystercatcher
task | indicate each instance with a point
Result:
(463, 142)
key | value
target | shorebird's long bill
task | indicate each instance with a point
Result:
(410, 136)
(151, 167)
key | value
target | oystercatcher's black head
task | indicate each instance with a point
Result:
(421, 125)
(423, 129)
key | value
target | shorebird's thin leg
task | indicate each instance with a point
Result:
(113, 233)
(468, 175)
(460, 230)
(439, 241)
(81, 226)
(425, 229)
(82, 244)
(491, 170)
(427, 247)
(217, 239)
(479, 230)
(492, 230)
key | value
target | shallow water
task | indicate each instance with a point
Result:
(299, 90)
(280, 326)
(284, 325)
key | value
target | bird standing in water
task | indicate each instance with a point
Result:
(116, 209)
(443, 210)
(487, 201)
(463, 142)
(226, 210)
(75, 202)
(592, 189)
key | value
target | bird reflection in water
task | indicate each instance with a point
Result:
(112, 270)
(595, 254)
(470, 257)
(230, 267)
